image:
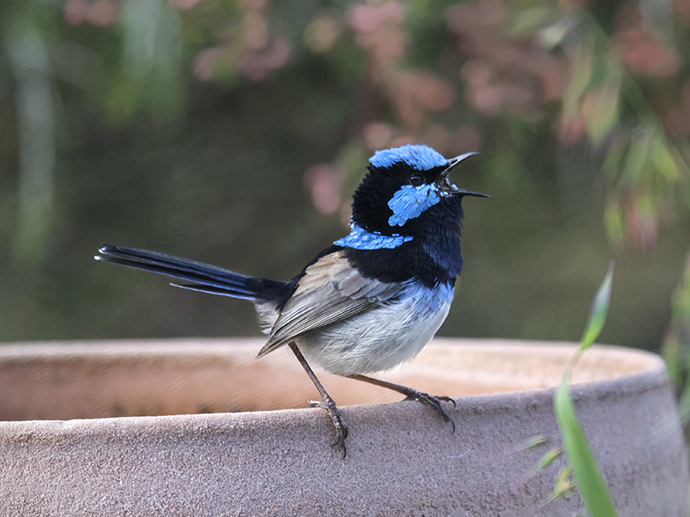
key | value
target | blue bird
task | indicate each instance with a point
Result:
(375, 297)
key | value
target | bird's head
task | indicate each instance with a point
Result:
(408, 188)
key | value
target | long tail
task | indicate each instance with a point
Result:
(204, 277)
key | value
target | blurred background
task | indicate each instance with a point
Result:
(234, 132)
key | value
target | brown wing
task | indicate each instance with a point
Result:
(329, 292)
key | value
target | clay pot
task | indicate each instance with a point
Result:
(84, 432)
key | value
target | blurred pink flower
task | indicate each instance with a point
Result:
(491, 95)
(102, 12)
(403, 139)
(75, 11)
(641, 220)
(682, 8)
(643, 55)
(637, 46)
(430, 92)
(324, 181)
(413, 93)
(553, 74)
(205, 62)
(378, 31)
(377, 135)
(368, 18)
(678, 117)
(571, 129)
(504, 72)
(254, 27)
(257, 65)
(463, 17)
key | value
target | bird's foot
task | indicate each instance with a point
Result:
(338, 422)
(433, 402)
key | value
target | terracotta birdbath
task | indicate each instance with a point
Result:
(198, 427)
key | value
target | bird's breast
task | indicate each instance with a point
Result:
(381, 338)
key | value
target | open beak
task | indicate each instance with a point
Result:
(446, 186)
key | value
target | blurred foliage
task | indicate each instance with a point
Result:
(234, 132)
(581, 462)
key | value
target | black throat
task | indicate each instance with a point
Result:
(433, 256)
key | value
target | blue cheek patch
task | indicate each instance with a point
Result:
(418, 157)
(360, 239)
(409, 202)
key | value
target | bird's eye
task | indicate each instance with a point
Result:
(416, 180)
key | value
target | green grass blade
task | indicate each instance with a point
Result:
(600, 308)
(580, 459)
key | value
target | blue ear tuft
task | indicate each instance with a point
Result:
(418, 157)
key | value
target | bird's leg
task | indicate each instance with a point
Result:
(410, 394)
(327, 402)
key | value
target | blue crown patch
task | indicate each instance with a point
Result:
(418, 157)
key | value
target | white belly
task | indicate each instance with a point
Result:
(378, 340)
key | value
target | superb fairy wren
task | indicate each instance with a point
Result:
(374, 298)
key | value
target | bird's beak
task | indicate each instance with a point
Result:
(446, 186)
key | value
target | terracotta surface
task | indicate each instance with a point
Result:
(402, 459)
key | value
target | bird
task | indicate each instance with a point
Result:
(372, 299)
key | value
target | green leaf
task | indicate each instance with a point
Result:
(638, 157)
(583, 64)
(600, 307)
(528, 20)
(664, 161)
(615, 223)
(580, 459)
(603, 113)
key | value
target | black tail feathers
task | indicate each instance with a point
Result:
(204, 277)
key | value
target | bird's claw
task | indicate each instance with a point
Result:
(434, 402)
(338, 422)
(444, 398)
